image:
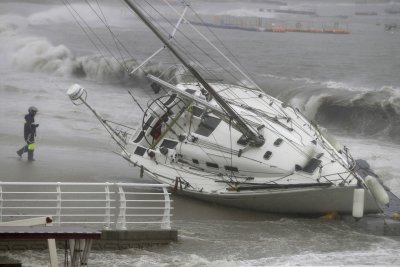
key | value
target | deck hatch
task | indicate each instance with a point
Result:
(311, 165)
(207, 125)
(140, 151)
(171, 144)
(190, 91)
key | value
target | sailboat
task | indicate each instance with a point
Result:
(238, 146)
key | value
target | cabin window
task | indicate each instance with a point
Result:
(278, 142)
(197, 112)
(212, 165)
(195, 161)
(190, 91)
(148, 123)
(311, 165)
(207, 125)
(231, 168)
(170, 99)
(139, 137)
(140, 151)
(171, 144)
(267, 155)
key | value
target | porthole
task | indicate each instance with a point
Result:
(267, 155)
(278, 142)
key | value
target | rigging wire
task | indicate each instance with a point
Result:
(196, 46)
(182, 48)
(225, 47)
(69, 7)
(117, 42)
(211, 44)
(94, 33)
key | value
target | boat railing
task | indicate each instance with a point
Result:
(111, 205)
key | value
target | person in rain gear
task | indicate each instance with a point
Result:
(29, 133)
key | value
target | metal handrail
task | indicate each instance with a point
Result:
(114, 205)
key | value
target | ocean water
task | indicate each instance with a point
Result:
(349, 84)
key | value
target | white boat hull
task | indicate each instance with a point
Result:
(289, 201)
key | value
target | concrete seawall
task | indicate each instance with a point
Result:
(110, 240)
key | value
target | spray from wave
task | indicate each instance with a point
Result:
(36, 54)
(39, 55)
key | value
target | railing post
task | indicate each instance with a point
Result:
(108, 207)
(116, 213)
(58, 211)
(166, 221)
(1, 203)
(122, 207)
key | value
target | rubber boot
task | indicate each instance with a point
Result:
(22, 151)
(30, 155)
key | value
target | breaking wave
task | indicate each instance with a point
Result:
(351, 109)
(375, 113)
(344, 107)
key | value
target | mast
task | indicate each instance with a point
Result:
(255, 139)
